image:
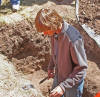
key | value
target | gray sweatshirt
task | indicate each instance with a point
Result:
(68, 56)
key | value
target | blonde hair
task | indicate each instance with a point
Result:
(48, 19)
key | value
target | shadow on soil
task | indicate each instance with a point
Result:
(95, 59)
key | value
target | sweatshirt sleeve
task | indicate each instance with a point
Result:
(79, 58)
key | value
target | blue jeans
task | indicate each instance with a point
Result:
(13, 2)
(75, 91)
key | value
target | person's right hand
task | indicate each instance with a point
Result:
(50, 74)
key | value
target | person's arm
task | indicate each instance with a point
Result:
(79, 58)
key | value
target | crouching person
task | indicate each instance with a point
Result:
(68, 57)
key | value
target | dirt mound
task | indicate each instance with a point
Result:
(29, 51)
(90, 14)
(24, 46)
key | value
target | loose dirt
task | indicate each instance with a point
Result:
(14, 84)
(90, 14)
(29, 50)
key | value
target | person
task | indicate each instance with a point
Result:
(68, 61)
(15, 4)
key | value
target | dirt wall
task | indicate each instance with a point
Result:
(24, 46)
(30, 51)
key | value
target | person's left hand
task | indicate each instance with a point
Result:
(57, 92)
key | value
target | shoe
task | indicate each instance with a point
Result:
(15, 7)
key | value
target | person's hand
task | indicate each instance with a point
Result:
(50, 74)
(57, 92)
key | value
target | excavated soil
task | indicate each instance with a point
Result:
(26, 48)
(29, 51)
(89, 13)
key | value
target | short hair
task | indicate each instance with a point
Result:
(48, 19)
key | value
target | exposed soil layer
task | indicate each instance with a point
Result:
(30, 51)
(89, 13)
(26, 48)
